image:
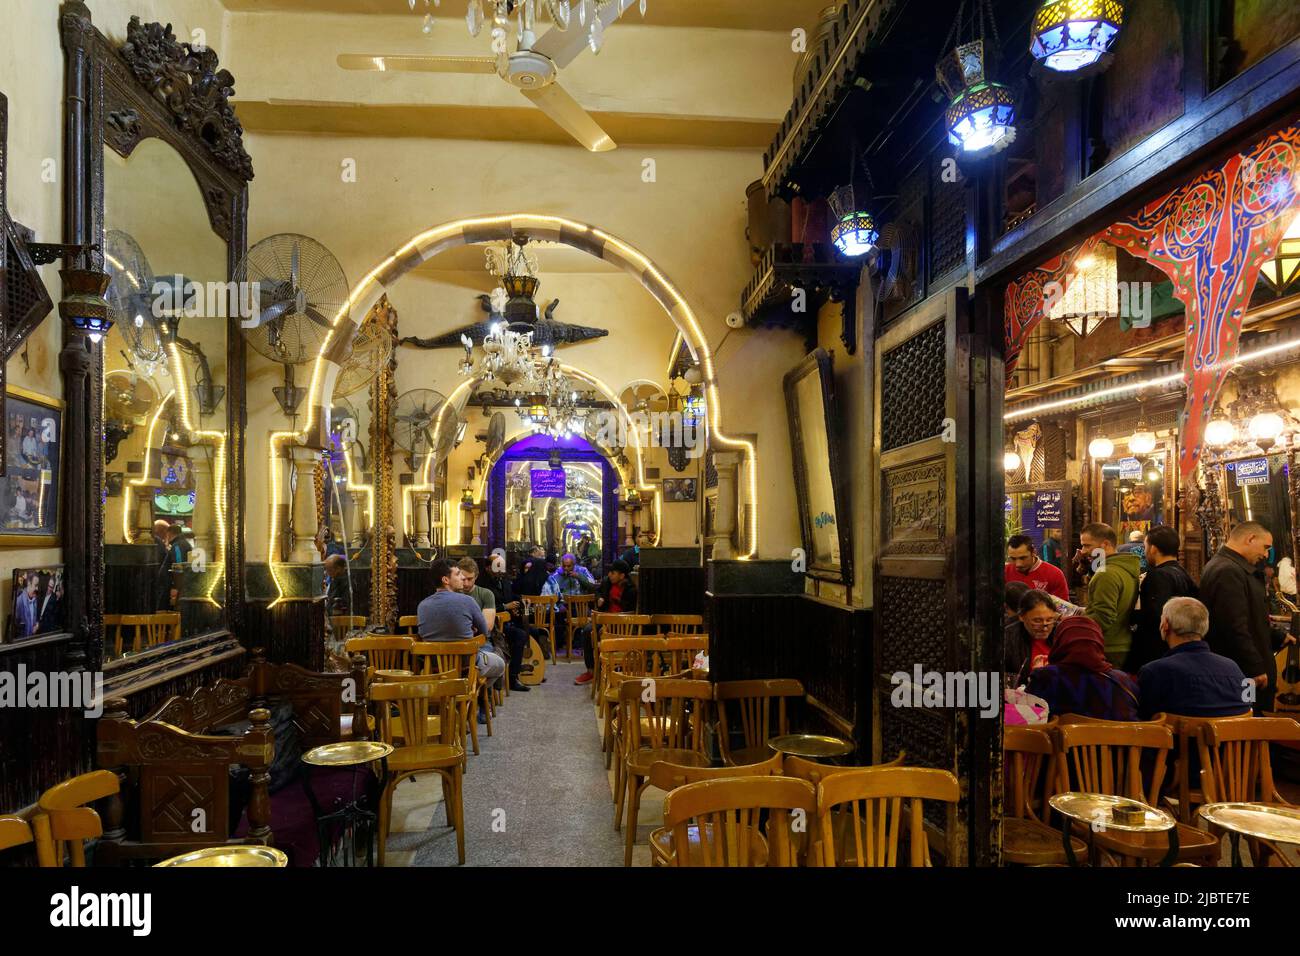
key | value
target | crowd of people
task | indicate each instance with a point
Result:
(1146, 639)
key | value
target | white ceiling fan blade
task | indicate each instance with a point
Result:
(568, 114)
(418, 64)
(563, 46)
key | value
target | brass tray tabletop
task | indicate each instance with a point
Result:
(1259, 820)
(1095, 809)
(349, 753)
(394, 672)
(230, 856)
(810, 745)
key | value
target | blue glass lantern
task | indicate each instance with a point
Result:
(981, 115)
(1072, 36)
(83, 305)
(854, 233)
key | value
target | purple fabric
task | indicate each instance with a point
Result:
(293, 824)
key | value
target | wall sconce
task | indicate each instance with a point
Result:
(83, 305)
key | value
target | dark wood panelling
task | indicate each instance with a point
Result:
(38, 747)
(293, 631)
(671, 590)
(824, 646)
(413, 586)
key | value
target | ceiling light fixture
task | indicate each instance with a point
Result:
(1100, 449)
(981, 115)
(1075, 36)
(560, 12)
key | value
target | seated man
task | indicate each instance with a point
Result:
(338, 589)
(616, 595)
(1191, 680)
(486, 600)
(569, 578)
(450, 615)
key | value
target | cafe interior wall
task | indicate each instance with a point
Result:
(31, 77)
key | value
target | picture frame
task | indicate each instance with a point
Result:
(36, 603)
(819, 469)
(678, 490)
(31, 489)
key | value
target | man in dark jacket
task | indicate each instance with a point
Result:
(532, 574)
(615, 595)
(1165, 579)
(1232, 587)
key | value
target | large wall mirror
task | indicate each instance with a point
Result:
(163, 191)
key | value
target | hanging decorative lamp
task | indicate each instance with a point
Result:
(1100, 449)
(1143, 439)
(1220, 432)
(981, 114)
(1075, 36)
(854, 233)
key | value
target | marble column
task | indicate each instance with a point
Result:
(304, 508)
(420, 519)
(477, 518)
(360, 520)
(727, 464)
(204, 518)
(142, 532)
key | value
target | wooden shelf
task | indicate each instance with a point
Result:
(768, 299)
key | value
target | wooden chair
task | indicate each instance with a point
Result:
(681, 651)
(604, 624)
(383, 652)
(1106, 756)
(409, 624)
(808, 842)
(874, 805)
(162, 627)
(580, 608)
(1236, 768)
(461, 659)
(14, 831)
(732, 808)
(345, 624)
(143, 631)
(656, 726)
(64, 817)
(1187, 795)
(442, 753)
(755, 701)
(678, 623)
(622, 658)
(539, 610)
(670, 776)
(1028, 766)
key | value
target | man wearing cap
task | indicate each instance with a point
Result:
(616, 595)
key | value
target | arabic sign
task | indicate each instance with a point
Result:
(1130, 468)
(1252, 471)
(1047, 509)
(547, 482)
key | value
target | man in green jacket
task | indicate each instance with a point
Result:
(1112, 589)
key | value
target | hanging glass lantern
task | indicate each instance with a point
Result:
(1220, 432)
(1100, 449)
(981, 115)
(1071, 36)
(83, 305)
(855, 234)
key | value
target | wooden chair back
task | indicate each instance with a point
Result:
(669, 776)
(415, 701)
(143, 631)
(64, 817)
(1185, 785)
(621, 625)
(408, 624)
(440, 657)
(873, 800)
(681, 650)
(733, 807)
(1106, 757)
(14, 831)
(1235, 763)
(626, 657)
(756, 703)
(580, 608)
(678, 623)
(540, 610)
(383, 652)
(344, 624)
(662, 704)
(815, 772)
(1027, 768)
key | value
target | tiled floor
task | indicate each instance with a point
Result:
(537, 794)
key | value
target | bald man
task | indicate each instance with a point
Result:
(338, 588)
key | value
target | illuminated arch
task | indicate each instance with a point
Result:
(460, 232)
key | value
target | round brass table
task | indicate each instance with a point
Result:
(1260, 821)
(811, 746)
(354, 754)
(1104, 811)
(230, 856)
(394, 672)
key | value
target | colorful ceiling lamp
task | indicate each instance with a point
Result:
(83, 305)
(981, 115)
(1075, 36)
(854, 233)
(1092, 295)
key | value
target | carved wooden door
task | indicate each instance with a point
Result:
(938, 572)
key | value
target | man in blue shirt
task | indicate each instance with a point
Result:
(450, 615)
(1191, 680)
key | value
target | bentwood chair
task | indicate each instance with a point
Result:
(670, 776)
(14, 831)
(1186, 783)
(623, 658)
(678, 623)
(761, 707)
(660, 720)
(1236, 768)
(1107, 756)
(383, 652)
(64, 819)
(580, 607)
(872, 801)
(603, 625)
(1027, 839)
(345, 624)
(681, 650)
(461, 659)
(421, 752)
(732, 808)
(408, 624)
(539, 610)
(808, 842)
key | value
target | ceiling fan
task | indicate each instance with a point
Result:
(533, 69)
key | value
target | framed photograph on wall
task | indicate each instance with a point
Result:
(680, 489)
(818, 469)
(31, 488)
(36, 605)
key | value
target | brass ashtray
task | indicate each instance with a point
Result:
(1128, 814)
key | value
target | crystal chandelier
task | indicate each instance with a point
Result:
(508, 357)
(478, 13)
